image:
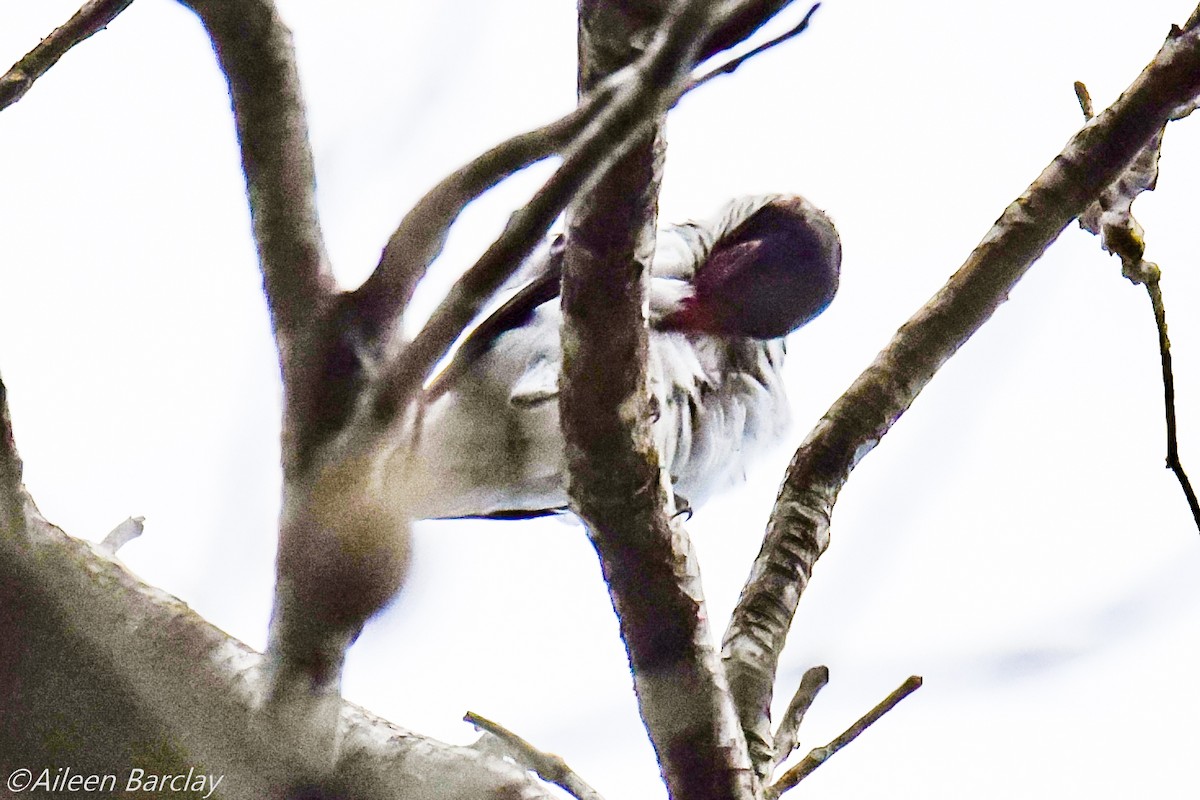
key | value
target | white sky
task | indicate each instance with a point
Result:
(1015, 539)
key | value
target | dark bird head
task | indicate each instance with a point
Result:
(773, 272)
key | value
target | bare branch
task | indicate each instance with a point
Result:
(525, 229)
(798, 531)
(92, 18)
(343, 550)
(1164, 350)
(787, 734)
(820, 755)
(730, 66)
(1085, 100)
(547, 766)
(616, 484)
(254, 50)
(123, 534)
(744, 19)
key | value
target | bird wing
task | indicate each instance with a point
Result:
(513, 313)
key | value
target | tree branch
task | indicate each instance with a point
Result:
(547, 766)
(90, 19)
(123, 534)
(141, 681)
(254, 50)
(787, 735)
(743, 19)
(1168, 375)
(820, 755)
(615, 482)
(731, 66)
(798, 531)
(343, 547)
(11, 468)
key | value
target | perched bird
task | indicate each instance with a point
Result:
(723, 294)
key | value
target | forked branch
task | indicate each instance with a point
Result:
(820, 755)
(547, 766)
(798, 531)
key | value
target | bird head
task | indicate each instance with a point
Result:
(771, 271)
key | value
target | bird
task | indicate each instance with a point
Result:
(723, 294)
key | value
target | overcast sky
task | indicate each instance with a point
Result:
(1015, 539)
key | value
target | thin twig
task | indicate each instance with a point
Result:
(92, 18)
(541, 289)
(547, 766)
(1168, 374)
(740, 25)
(820, 755)
(1085, 100)
(123, 534)
(1111, 217)
(732, 64)
(787, 734)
